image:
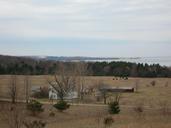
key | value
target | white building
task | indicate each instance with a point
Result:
(70, 96)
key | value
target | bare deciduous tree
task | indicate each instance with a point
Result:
(108, 121)
(117, 97)
(103, 92)
(27, 88)
(63, 81)
(139, 109)
(14, 114)
(13, 88)
(137, 85)
(81, 72)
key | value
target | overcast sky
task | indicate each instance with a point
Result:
(108, 28)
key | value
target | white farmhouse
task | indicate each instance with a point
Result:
(53, 94)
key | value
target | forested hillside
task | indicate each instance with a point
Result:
(24, 65)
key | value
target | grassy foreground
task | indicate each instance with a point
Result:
(154, 100)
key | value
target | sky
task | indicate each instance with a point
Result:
(99, 28)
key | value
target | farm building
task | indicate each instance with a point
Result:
(70, 96)
(117, 89)
(35, 89)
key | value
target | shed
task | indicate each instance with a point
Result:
(35, 89)
(117, 89)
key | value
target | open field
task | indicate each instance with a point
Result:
(146, 92)
(154, 100)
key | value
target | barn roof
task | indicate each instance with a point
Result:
(117, 89)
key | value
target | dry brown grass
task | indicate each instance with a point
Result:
(92, 116)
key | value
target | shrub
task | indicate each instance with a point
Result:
(153, 83)
(126, 78)
(139, 110)
(34, 124)
(35, 107)
(51, 114)
(61, 105)
(43, 93)
(108, 121)
(114, 107)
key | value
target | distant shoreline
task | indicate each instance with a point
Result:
(163, 61)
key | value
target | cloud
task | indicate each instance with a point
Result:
(140, 20)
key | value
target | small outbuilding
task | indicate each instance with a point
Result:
(35, 89)
(117, 89)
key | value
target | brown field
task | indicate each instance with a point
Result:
(153, 99)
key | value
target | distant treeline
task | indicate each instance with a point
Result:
(29, 66)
